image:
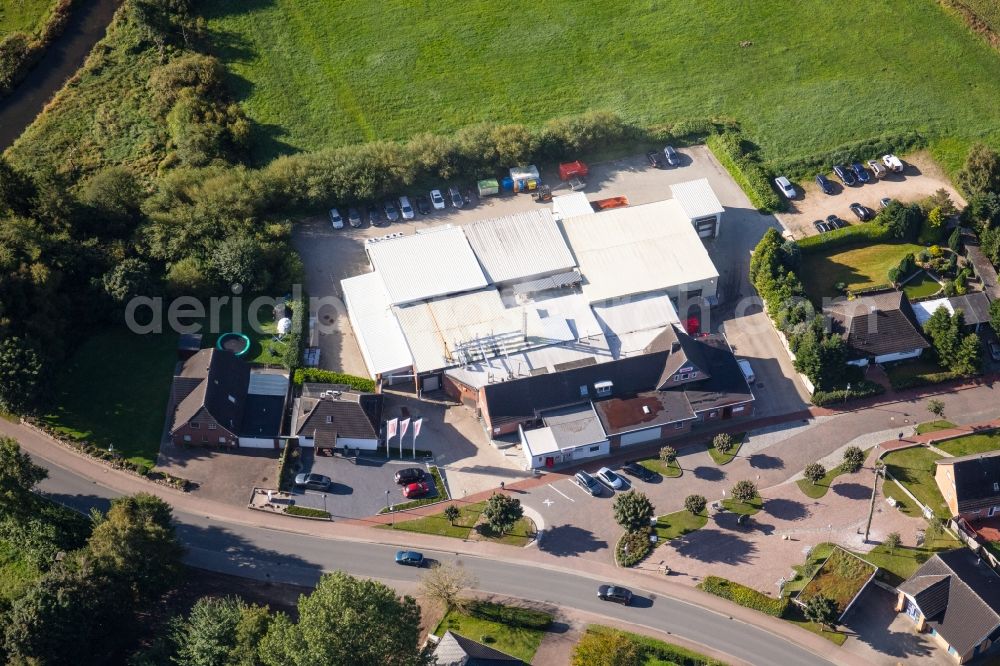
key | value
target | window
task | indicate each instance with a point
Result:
(187, 438)
(737, 410)
(595, 449)
(195, 425)
(603, 388)
(222, 440)
(329, 419)
(213, 426)
(679, 425)
(583, 391)
(712, 414)
(996, 487)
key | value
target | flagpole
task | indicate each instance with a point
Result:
(415, 444)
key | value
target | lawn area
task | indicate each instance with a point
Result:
(840, 578)
(654, 652)
(934, 426)
(24, 15)
(818, 489)
(516, 631)
(900, 564)
(451, 64)
(671, 471)
(522, 533)
(857, 267)
(914, 468)
(902, 374)
(903, 503)
(114, 390)
(748, 508)
(726, 458)
(921, 286)
(678, 524)
(966, 446)
(16, 575)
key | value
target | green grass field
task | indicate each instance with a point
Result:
(858, 268)
(678, 524)
(966, 446)
(522, 533)
(987, 11)
(312, 73)
(818, 489)
(24, 15)
(667, 471)
(515, 637)
(933, 426)
(914, 468)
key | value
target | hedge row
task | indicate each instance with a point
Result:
(657, 651)
(748, 173)
(307, 512)
(638, 548)
(855, 234)
(511, 616)
(315, 375)
(861, 389)
(856, 151)
(298, 335)
(287, 464)
(744, 596)
(928, 379)
(19, 51)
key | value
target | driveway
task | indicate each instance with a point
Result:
(921, 178)
(883, 636)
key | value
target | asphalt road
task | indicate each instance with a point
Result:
(266, 554)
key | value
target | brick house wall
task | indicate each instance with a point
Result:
(204, 430)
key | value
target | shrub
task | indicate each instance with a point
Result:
(632, 510)
(742, 595)
(633, 548)
(859, 389)
(723, 442)
(854, 458)
(926, 379)
(955, 240)
(695, 503)
(306, 512)
(668, 454)
(315, 375)
(744, 491)
(821, 610)
(748, 173)
(814, 472)
(287, 464)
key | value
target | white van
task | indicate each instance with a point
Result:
(747, 370)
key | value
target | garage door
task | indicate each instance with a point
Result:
(706, 227)
(432, 383)
(641, 436)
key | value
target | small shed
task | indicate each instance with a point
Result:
(575, 169)
(488, 187)
(566, 206)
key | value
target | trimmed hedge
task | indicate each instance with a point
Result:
(855, 234)
(298, 336)
(748, 173)
(855, 151)
(286, 465)
(315, 375)
(862, 389)
(929, 379)
(657, 651)
(511, 616)
(744, 596)
(19, 51)
(307, 512)
(638, 548)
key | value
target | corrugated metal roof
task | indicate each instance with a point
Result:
(375, 327)
(571, 205)
(697, 198)
(636, 313)
(429, 263)
(521, 246)
(636, 250)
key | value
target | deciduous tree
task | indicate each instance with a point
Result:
(445, 583)
(668, 454)
(892, 541)
(633, 510)
(607, 648)
(854, 458)
(452, 513)
(502, 512)
(21, 374)
(723, 442)
(936, 407)
(220, 631)
(744, 491)
(695, 503)
(821, 610)
(814, 472)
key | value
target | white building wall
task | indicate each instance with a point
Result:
(900, 356)
(256, 442)
(364, 444)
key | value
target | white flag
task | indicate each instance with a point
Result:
(390, 428)
(403, 425)
(416, 427)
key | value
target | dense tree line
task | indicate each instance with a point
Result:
(979, 179)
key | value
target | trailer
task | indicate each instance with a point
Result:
(609, 203)
(575, 169)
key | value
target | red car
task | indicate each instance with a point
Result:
(416, 490)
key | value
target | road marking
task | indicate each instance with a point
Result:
(561, 492)
(547, 502)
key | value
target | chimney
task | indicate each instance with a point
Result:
(675, 347)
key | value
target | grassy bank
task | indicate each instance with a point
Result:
(516, 631)
(451, 64)
(857, 267)
(914, 468)
(465, 526)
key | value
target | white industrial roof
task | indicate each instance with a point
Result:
(540, 441)
(519, 247)
(697, 198)
(636, 250)
(924, 309)
(631, 323)
(375, 327)
(426, 264)
(571, 205)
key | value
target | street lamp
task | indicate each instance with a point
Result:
(389, 509)
(847, 392)
(324, 503)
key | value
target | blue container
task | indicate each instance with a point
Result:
(507, 184)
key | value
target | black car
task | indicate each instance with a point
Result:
(655, 159)
(410, 475)
(638, 471)
(824, 184)
(423, 205)
(456, 197)
(409, 558)
(844, 175)
(391, 212)
(354, 217)
(864, 213)
(821, 226)
(673, 159)
(620, 595)
(835, 222)
(860, 172)
(374, 216)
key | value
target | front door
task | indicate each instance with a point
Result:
(912, 611)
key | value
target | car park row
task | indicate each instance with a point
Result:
(398, 210)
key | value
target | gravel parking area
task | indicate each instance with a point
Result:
(921, 178)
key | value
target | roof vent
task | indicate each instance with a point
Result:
(645, 409)
(675, 347)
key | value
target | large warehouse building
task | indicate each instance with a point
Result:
(505, 300)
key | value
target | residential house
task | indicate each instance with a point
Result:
(975, 308)
(594, 409)
(455, 650)
(219, 401)
(954, 597)
(878, 328)
(329, 416)
(970, 484)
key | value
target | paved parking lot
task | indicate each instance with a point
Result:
(358, 488)
(920, 178)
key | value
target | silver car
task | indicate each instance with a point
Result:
(610, 479)
(313, 481)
